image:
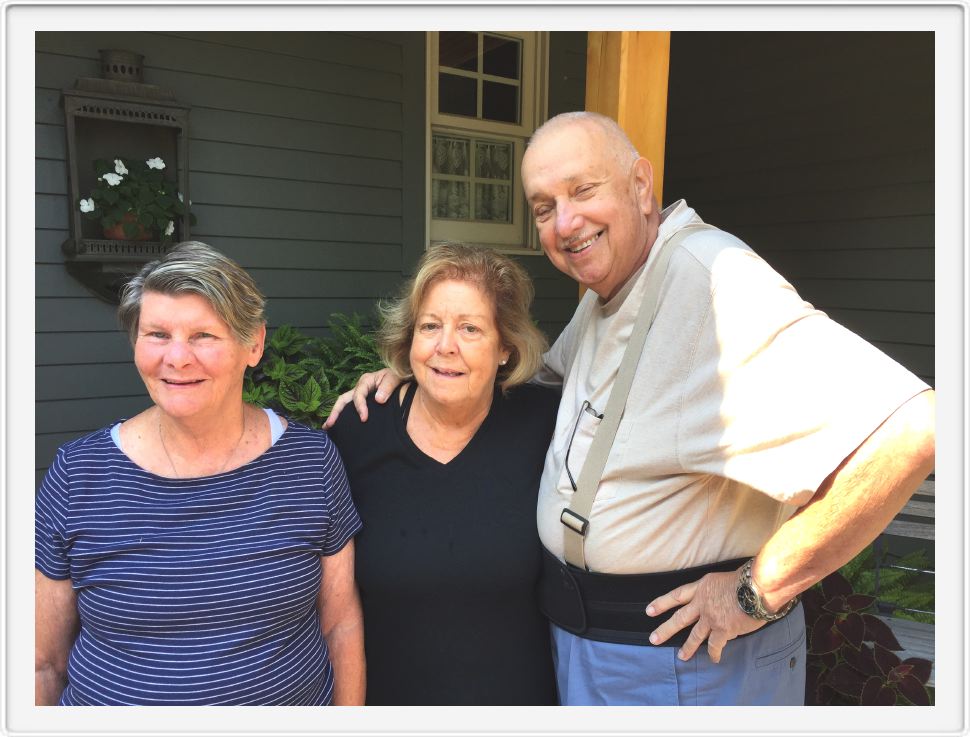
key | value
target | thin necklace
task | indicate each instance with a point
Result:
(228, 457)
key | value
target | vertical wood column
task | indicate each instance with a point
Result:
(626, 79)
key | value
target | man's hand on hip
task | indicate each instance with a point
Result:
(711, 605)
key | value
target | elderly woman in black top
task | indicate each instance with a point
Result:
(445, 478)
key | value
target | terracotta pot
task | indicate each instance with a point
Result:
(117, 232)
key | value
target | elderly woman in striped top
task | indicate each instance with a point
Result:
(202, 551)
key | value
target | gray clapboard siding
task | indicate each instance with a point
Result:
(74, 415)
(66, 349)
(914, 231)
(219, 157)
(271, 224)
(243, 95)
(798, 144)
(87, 380)
(285, 194)
(878, 263)
(189, 55)
(297, 254)
(886, 326)
(911, 198)
(848, 174)
(314, 136)
(889, 295)
(567, 72)
(357, 50)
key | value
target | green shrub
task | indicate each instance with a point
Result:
(898, 588)
(301, 377)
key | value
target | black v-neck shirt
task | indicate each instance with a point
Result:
(449, 556)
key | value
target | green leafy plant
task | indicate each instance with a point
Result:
(302, 376)
(899, 587)
(135, 195)
(850, 652)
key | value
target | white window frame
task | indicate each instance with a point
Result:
(519, 236)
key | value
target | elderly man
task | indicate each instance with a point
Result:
(761, 447)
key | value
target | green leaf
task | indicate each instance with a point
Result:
(290, 397)
(146, 219)
(311, 395)
(287, 340)
(130, 229)
(293, 372)
(276, 369)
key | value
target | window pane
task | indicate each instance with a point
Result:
(449, 155)
(449, 199)
(457, 95)
(458, 49)
(492, 160)
(492, 203)
(500, 102)
(501, 56)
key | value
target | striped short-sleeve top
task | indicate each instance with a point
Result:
(195, 591)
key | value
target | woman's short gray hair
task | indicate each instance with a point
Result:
(506, 284)
(192, 267)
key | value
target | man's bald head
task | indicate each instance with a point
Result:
(611, 134)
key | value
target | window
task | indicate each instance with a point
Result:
(486, 94)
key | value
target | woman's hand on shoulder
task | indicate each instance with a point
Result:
(380, 383)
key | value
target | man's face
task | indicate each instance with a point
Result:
(590, 211)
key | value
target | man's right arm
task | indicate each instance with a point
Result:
(384, 382)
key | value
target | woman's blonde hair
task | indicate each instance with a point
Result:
(192, 267)
(505, 283)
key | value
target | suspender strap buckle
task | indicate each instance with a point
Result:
(574, 522)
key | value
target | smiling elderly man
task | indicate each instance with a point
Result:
(761, 446)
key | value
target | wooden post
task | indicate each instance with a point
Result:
(626, 79)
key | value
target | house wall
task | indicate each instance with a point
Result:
(817, 150)
(556, 293)
(307, 165)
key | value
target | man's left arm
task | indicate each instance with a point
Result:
(855, 503)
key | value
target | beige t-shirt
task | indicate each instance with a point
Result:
(745, 399)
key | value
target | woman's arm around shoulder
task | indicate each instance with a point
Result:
(56, 624)
(342, 624)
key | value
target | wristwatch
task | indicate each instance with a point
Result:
(752, 602)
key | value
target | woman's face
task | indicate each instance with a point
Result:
(190, 361)
(456, 347)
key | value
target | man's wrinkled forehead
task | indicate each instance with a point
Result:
(568, 152)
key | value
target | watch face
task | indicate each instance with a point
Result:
(747, 599)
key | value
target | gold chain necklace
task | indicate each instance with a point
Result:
(228, 457)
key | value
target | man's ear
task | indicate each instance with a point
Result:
(643, 185)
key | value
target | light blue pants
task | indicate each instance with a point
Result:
(766, 667)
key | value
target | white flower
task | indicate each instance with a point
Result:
(170, 228)
(112, 179)
(120, 167)
(155, 163)
(87, 205)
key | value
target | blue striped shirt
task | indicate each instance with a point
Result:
(195, 591)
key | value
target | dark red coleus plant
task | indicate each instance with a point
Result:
(850, 652)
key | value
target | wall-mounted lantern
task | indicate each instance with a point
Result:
(117, 116)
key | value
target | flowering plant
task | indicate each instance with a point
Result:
(135, 195)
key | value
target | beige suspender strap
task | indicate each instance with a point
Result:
(575, 517)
